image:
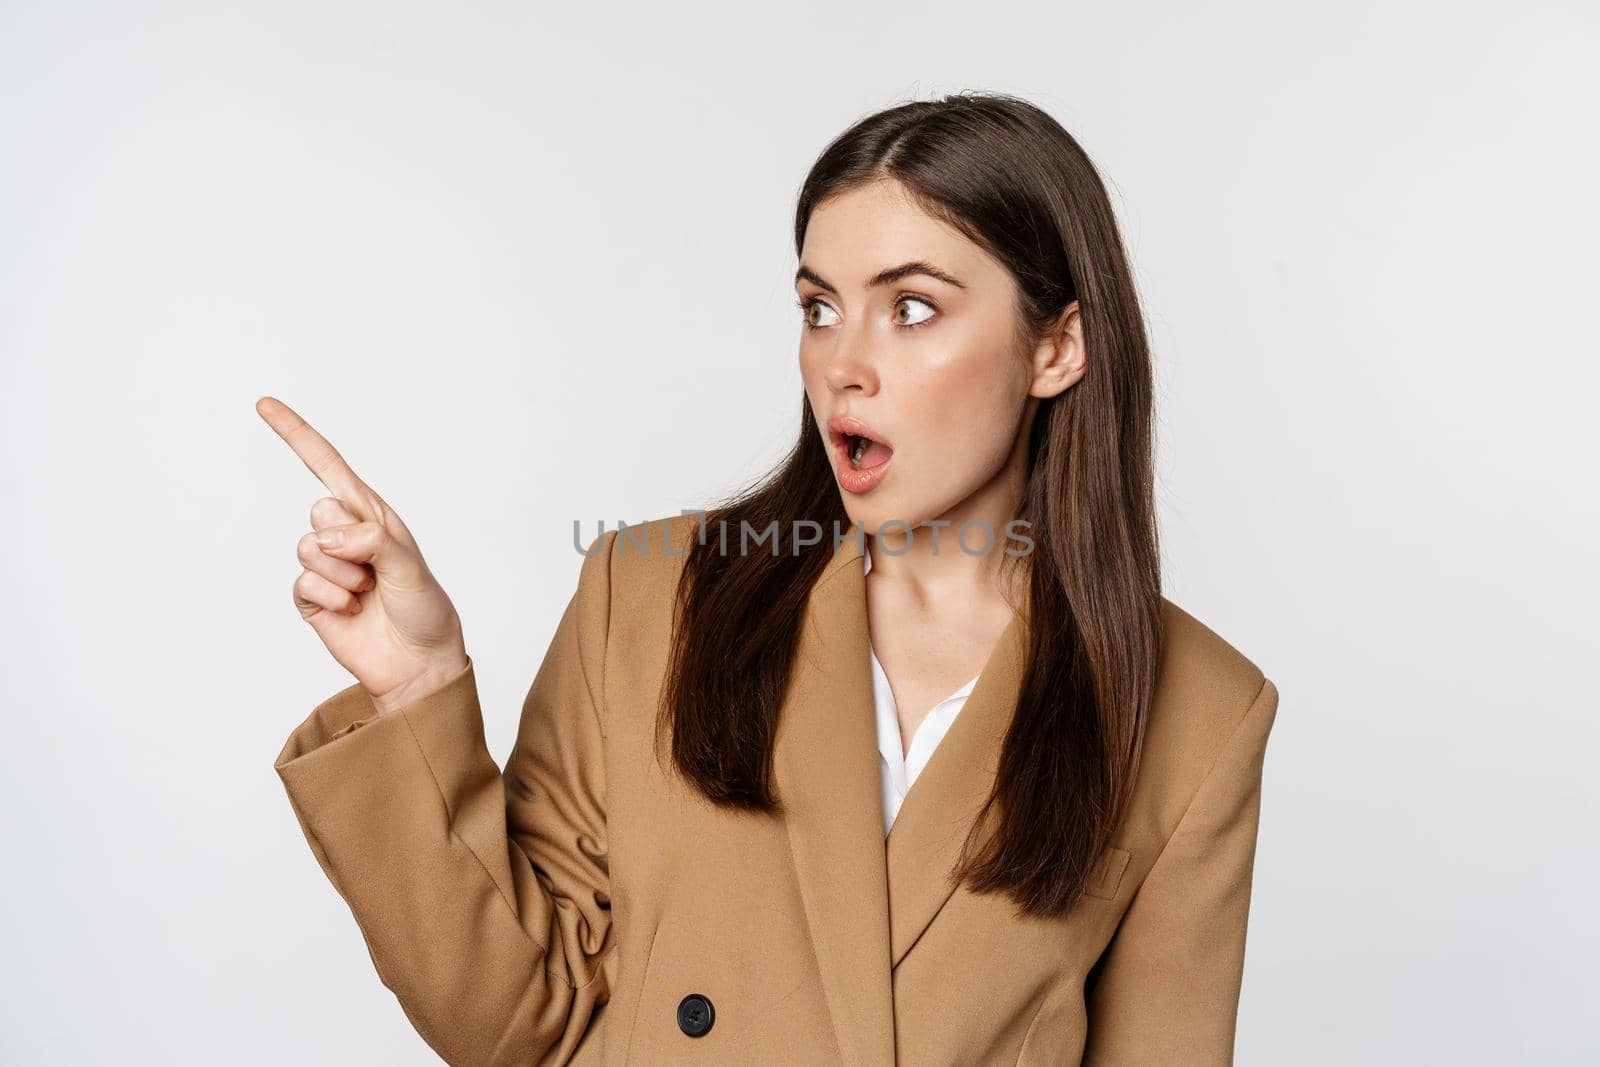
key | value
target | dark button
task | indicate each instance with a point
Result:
(695, 1015)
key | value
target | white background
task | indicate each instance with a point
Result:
(529, 268)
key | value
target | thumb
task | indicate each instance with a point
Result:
(392, 559)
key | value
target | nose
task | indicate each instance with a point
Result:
(849, 364)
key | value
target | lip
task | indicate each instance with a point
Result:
(851, 479)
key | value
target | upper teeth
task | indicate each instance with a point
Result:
(860, 450)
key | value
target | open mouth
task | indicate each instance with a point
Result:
(864, 452)
(858, 445)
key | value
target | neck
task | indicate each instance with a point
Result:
(955, 556)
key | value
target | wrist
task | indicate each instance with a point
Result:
(431, 680)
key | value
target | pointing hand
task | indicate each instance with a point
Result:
(365, 588)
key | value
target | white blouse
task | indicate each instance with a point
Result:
(900, 768)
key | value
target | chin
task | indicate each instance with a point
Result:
(873, 514)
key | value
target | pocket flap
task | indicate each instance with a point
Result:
(1108, 874)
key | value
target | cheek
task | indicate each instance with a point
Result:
(812, 377)
(966, 441)
(968, 405)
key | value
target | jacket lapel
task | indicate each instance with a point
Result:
(942, 804)
(826, 768)
(867, 901)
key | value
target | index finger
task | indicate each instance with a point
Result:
(318, 455)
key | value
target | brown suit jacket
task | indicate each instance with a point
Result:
(559, 909)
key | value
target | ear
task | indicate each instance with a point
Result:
(1059, 360)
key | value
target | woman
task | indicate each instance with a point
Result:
(683, 860)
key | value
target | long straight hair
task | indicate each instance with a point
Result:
(1009, 177)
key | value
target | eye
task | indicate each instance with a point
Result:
(909, 321)
(908, 300)
(805, 312)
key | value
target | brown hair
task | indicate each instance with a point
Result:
(1014, 181)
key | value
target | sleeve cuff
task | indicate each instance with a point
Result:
(347, 711)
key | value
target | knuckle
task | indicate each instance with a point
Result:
(370, 536)
(327, 511)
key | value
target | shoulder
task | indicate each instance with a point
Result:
(1200, 663)
(1208, 695)
(639, 561)
(630, 580)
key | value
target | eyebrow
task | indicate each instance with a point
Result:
(883, 277)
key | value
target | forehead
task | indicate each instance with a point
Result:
(852, 236)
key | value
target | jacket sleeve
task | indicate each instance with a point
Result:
(1167, 987)
(483, 896)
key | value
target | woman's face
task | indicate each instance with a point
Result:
(925, 356)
